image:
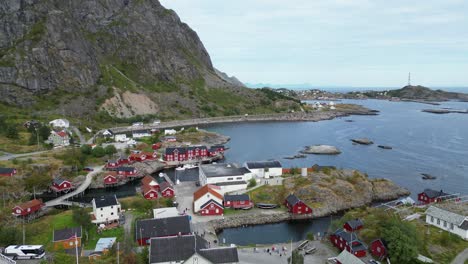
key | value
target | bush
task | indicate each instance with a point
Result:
(98, 152)
(86, 149)
(110, 149)
(252, 183)
(297, 258)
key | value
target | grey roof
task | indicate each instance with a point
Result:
(104, 243)
(162, 227)
(346, 257)
(464, 225)
(164, 185)
(348, 237)
(222, 170)
(355, 223)
(59, 181)
(197, 147)
(445, 215)
(292, 199)
(142, 131)
(105, 201)
(230, 183)
(236, 197)
(263, 164)
(172, 149)
(6, 170)
(220, 255)
(209, 201)
(433, 193)
(125, 169)
(180, 248)
(67, 233)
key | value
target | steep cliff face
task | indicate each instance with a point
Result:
(71, 51)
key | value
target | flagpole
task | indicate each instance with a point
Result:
(76, 247)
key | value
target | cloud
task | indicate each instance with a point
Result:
(302, 40)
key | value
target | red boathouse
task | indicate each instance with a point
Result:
(296, 206)
(166, 189)
(353, 225)
(110, 178)
(28, 208)
(348, 241)
(149, 193)
(211, 208)
(431, 196)
(7, 172)
(61, 185)
(378, 248)
(237, 201)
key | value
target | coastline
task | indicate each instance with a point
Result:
(280, 117)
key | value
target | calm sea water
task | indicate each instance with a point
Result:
(422, 143)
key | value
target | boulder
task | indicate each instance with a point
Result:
(362, 141)
(322, 150)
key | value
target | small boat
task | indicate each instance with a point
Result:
(266, 206)
(303, 245)
(426, 176)
(349, 120)
(384, 147)
(289, 158)
(247, 208)
(300, 156)
(180, 168)
(190, 166)
(311, 250)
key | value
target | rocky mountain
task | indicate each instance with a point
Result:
(232, 80)
(121, 57)
(424, 93)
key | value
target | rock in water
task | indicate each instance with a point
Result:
(362, 141)
(322, 150)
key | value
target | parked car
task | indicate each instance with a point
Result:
(88, 169)
(373, 261)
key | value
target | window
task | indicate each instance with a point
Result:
(230, 179)
(445, 223)
(438, 221)
(102, 216)
(378, 249)
(238, 178)
(112, 213)
(112, 207)
(71, 243)
(432, 219)
(101, 209)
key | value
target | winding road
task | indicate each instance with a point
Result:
(80, 189)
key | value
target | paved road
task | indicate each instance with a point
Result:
(80, 189)
(461, 258)
(80, 136)
(9, 156)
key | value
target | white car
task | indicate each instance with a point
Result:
(24, 251)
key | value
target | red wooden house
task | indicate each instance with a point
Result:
(150, 181)
(431, 196)
(156, 146)
(197, 152)
(123, 160)
(138, 157)
(348, 241)
(237, 201)
(296, 206)
(149, 192)
(28, 208)
(214, 150)
(127, 171)
(61, 185)
(211, 207)
(175, 154)
(378, 248)
(166, 189)
(7, 172)
(110, 178)
(353, 225)
(112, 164)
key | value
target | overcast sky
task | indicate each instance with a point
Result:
(334, 42)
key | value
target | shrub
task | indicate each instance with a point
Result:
(98, 152)
(252, 183)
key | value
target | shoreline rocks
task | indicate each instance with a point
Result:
(321, 150)
(362, 141)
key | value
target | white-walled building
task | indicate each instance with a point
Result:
(62, 123)
(229, 177)
(265, 169)
(121, 138)
(106, 210)
(169, 132)
(141, 133)
(206, 193)
(449, 221)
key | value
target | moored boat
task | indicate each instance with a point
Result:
(266, 206)
(384, 147)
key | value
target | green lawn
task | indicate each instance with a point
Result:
(94, 236)
(267, 194)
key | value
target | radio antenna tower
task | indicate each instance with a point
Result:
(409, 79)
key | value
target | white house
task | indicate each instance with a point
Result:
(63, 123)
(169, 132)
(108, 133)
(229, 177)
(106, 210)
(449, 221)
(120, 137)
(205, 194)
(59, 139)
(265, 169)
(137, 124)
(141, 133)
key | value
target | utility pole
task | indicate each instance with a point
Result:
(409, 79)
(118, 259)
(37, 135)
(76, 248)
(24, 234)
(34, 192)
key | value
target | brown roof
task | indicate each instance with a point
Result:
(30, 204)
(165, 185)
(112, 173)
(204, 190)
(147, 180)
(146, 188)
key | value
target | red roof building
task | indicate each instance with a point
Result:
(378, 248)
(348, 241)
(61, 185)
(353, 225)
(166, 189)
(206, 195)
(211, 207)
(150, 181)
(149, 193)
(237, 201)
(431, 196)
(110, 178)
(28, 208)
(127, 171)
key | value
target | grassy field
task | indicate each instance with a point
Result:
(267, 194)
(17, 145)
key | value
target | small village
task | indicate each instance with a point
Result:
(170, 220)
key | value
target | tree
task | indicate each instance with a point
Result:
(402, 241)
(110, 149)
(297, 258)
(81, 217)
(12, 132)
(44, 132)
(98, 152)
(143, 256)
(252, 183)
(86, 149)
